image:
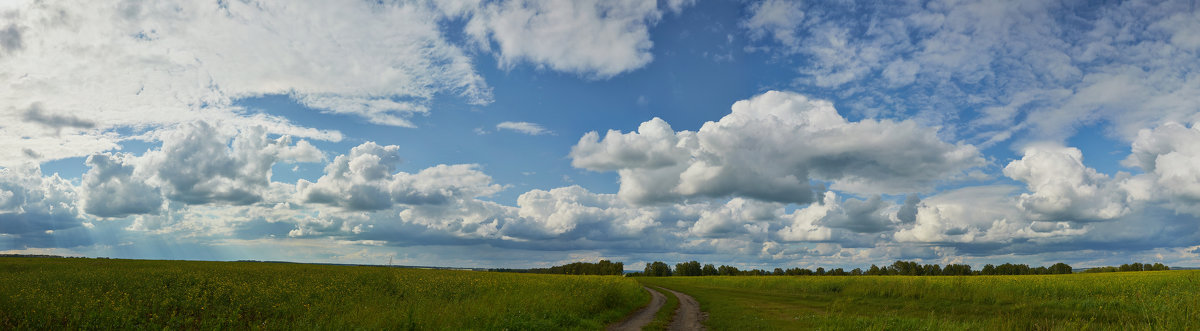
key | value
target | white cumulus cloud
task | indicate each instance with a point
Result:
(1063, 189)
(768, 148)
(31, 204)
(1171, 155)
(366, 180)
(198, 163)
(112, 189)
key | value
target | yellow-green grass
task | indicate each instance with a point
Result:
(662, 319)
(1166, 300)
(125, 294)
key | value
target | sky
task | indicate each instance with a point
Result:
(529, 133)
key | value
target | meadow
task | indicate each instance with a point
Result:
(1168, 300)
(46, 293)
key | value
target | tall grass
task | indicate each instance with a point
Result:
(88, 293)
(1141, 300)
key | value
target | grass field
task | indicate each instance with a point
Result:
(93, 293)
(1168, 300)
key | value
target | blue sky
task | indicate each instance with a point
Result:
(531, 133)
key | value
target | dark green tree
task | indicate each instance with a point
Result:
(657, 269)
(725, 270)
(874, 271)
(1061, 268)
(988, 270)
(689, 269)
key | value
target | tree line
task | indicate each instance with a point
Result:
(604, 267)
(898, 268)
(1131, 267)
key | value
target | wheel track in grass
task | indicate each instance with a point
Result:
(687, 316)
(639, 318)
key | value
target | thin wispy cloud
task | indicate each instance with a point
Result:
(528, 128)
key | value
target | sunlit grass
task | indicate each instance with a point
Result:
(108, 294)
(1135, 300)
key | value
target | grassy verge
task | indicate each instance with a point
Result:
(663, 318)
(124, 294)
(1140, 300)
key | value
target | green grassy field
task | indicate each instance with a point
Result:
(93, 293)
(1166, 300)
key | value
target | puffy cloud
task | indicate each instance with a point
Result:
(653, 145)
(862, 216)
(1063, 189)
(848, 222)
(805, 223)
(573, 212)
(32, 204)
(967, 215)
(200, 163)
(736, 217)
(768, 148)
(980, 221)
(355, 181)
(599, 39)
(1171, 155)
(366, 180)
(1067, 207)
(111, 189)
(532, 129)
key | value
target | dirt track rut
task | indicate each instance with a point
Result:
(687, 317)
(643, 315)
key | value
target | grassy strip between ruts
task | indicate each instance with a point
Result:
(44, 293)
(1136, 300)
(662, 319)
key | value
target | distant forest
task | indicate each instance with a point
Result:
(604, 267)
(899, 268)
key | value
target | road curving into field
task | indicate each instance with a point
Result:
(643, 315)
(687, 316)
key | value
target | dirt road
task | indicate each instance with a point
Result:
(642, 316)
(687, 316)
